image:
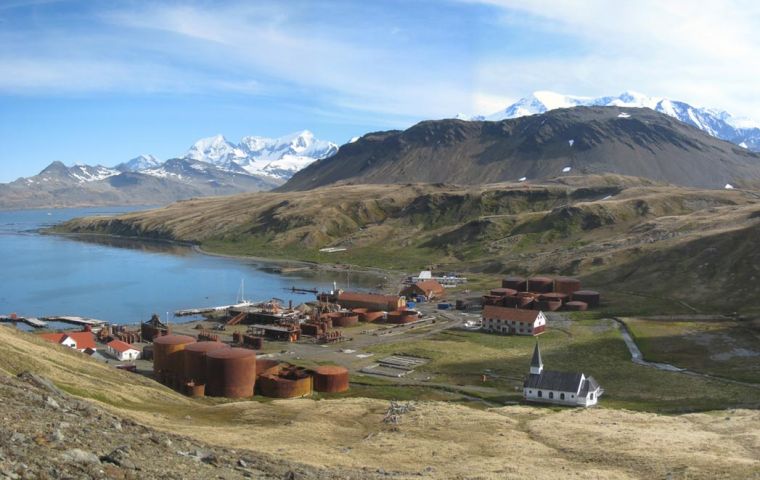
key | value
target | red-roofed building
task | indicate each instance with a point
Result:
(429, 289)
(513, 321)
(77, 340)
(122, 351)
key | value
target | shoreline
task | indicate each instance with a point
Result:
(299, 265)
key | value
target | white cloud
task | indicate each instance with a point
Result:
(698, 51)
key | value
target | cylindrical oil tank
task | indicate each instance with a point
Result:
(195, 390)
(591, 297)
(286, 382)
(265, 364)
(167, 356)
(554, 297)
(566, 285)
(525, 299)
(548, 305)
(345, 319)
(576, 306)
(230, 372)
(514, 283)
(331, 378)
(373, 316)
(492, 299)
(359, 311)
(540, 284)
(503, 292)
(511, 301)
(195, 360)
(402, 316)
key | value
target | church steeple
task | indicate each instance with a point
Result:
(536, 365)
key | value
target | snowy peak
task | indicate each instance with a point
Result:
(136, 164)
(58, 172)
(718, 123)
(274, 157)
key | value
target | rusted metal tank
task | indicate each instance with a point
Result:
(286, 381)
(511, 301)
(373, 316)
(554, 297)
(331, 379)
(359, 311)
(492, 299)
(503, 292)
(591, 297)
(195, 360)
(576, 306)
(167, 357)
(540, 284)
(344, 319)
(548, 305)
(525, 299)
(230, 372)
(514, 283)
(402, 316)
(566, 285)
(195, 390)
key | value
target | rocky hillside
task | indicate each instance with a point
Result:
(625, 234)
(576, 141)
(85, 419)
(81, 185)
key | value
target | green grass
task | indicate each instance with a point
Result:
(729, 349)
(592, 346)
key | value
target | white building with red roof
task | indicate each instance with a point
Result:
(122, 351)
(77, 340)
(513, 321)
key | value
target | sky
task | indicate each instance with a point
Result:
(100, 82)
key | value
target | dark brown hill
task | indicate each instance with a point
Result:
(587, 140)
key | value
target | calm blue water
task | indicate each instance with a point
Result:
(125, 281)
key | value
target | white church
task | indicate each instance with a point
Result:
(559, 388)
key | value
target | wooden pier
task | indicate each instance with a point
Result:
(33, 322)
(202, 311)
(74, 320)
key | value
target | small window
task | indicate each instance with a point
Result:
(592, 396)
(551, 394)
(530, 391)
(540, 393)
(561, 396)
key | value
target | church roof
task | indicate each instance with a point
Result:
(536, 360)
(590, 385)
(552, 380)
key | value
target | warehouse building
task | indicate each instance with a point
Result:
(513, 321)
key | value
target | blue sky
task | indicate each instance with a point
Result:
(103, 81)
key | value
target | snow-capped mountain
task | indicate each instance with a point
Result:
(718, 123)
(274, 157)
(57, 172)
(143, 162)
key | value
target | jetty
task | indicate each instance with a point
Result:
(74, 320)
(202, 311)
(301, 290)
(33, 322)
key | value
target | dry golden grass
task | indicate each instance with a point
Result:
(456, 441)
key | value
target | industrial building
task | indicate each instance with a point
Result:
(428, 289)
(559, 388)
(370, 301)
(513, 321)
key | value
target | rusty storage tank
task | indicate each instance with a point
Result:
(525, 299)
(373, 316)
(195, 360)
(548, 305)
(503, 292)
(554, 297)
(286, 381)
(491, 299)
(566, 285)
(331, 379)
(230, 372)
(147, 352)
(402, 316)
(359, 311)
(511, 301)
(514, 283)
(195, 390)
(345, 319)
(576, 306)
(167, 356)
(591, 297)
(540, 284)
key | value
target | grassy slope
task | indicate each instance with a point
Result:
(455, 440)
(587, 344)
(607, 229)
